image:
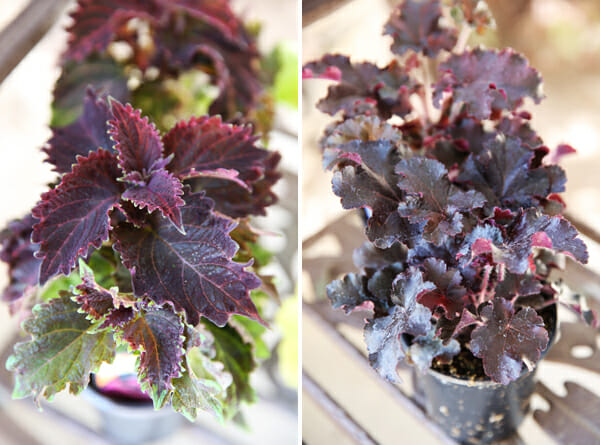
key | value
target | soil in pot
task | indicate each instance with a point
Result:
(470, 407)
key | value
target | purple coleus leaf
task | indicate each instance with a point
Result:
(18, 252)
(100, 303)
(362, 88)
(137, 141)
(157, 332)
(416, 25)
(513, 248)
(161, 191)
(432, 198)
(407, 316)
(237, 201)
(192, 271)
(487, 80)
(74, 216)
(502, 172)
(140, 153)
(507, 339)
(206, 145)
(86, 134)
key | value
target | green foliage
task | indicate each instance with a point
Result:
(64, 348)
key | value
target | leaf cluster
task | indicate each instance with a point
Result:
(462, 197)
(144, 239)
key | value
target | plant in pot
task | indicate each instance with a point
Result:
(144, 243)
(463, 217)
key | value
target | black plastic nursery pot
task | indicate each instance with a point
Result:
(478, 411)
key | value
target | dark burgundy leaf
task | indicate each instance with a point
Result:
(236, 201)
(74, 216)
(386, 230)
(136, 140)
(382, 334)
(529, 229)
(158, 334)
(507, 339)
(100, 303)
(348, 293)
(161, 191)
(432, 198)
(372, 183)
(362, 88)
(18, 252)
(207, 144)
(193, 271)
(93, 298)
(501, 171)
(416, 25)
(449, 293)
(486, 80)
(88, 133)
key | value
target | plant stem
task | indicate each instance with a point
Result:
(463, 37)
(484, 284)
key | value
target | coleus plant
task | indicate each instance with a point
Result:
(131, 248)
(464, 216)
(197, 56)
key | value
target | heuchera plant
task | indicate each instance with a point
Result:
(144, 240)
(464, 216)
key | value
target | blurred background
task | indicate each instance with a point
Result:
(25, 98)
(561, 38)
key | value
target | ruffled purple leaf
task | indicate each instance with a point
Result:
(157, 333)
(513, 247)
(74, 216)
(502, 172)
(449, 293)
(415, 25)
(432, 198)
(362, 88)
(192, 271)
(18, 252)
(348, 293)
(382, 334)
(507, 339)
(487, 80)
(88, 133)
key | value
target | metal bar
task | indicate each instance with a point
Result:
(21, 35)
(337, 413)
(313, 10)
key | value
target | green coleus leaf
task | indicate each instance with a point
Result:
(64, 349)
(158, 334)
(236, 355)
